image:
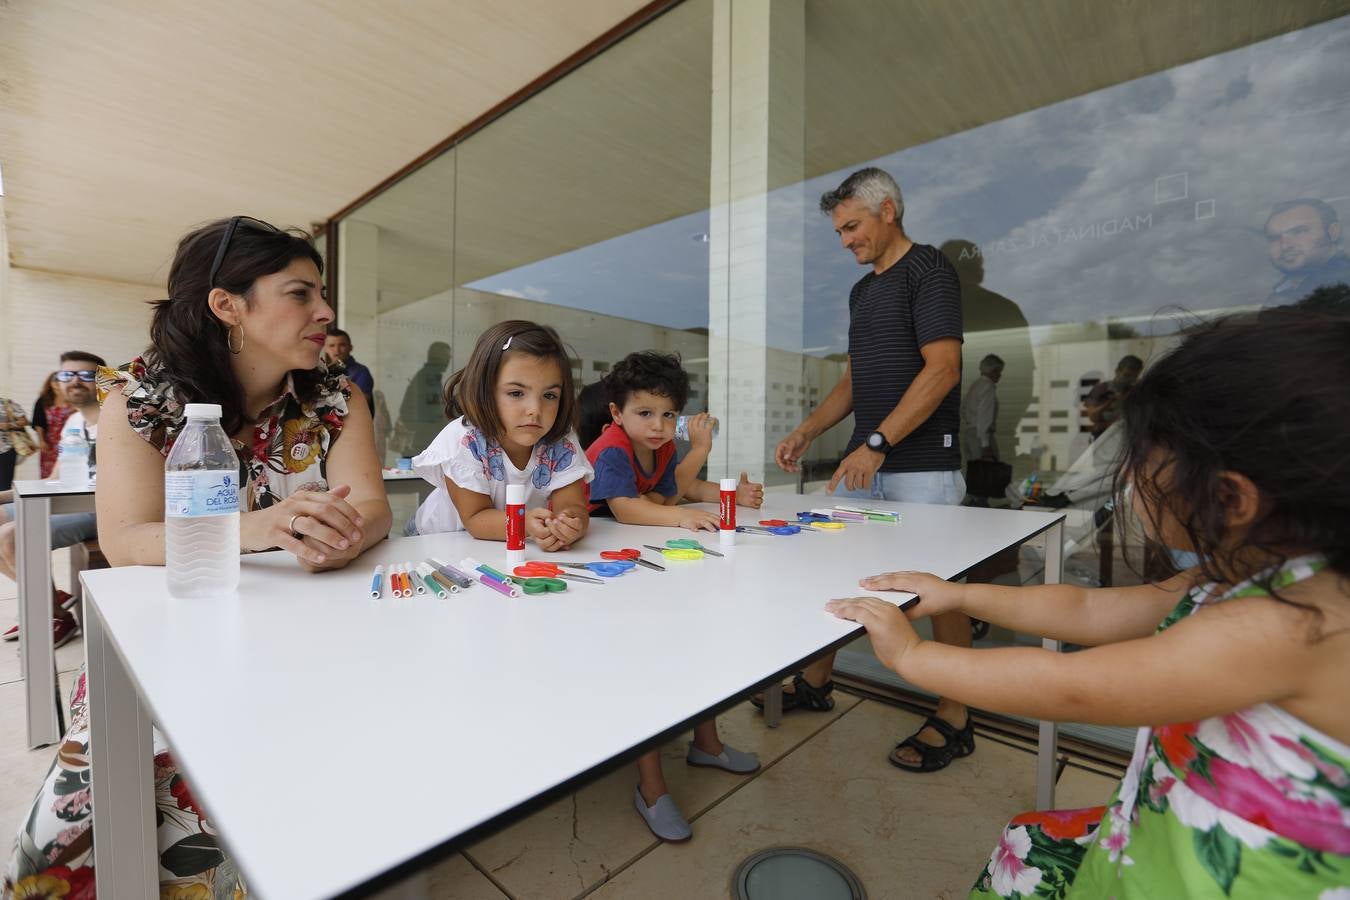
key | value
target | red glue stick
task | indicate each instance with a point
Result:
(515, 525)
(727, 510)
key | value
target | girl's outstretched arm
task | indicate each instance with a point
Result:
(1237, 654)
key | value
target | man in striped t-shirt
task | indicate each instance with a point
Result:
(903, 386)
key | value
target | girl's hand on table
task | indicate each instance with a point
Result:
(539, 525)
(891, 634)
(936, 596)
(567, 529)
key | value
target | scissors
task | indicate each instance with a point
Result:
(542, 585)
(603, 569)
(677, 552)
(808, 518)
(628, 554)
(541, 569)
(771, 529)
(690, 544)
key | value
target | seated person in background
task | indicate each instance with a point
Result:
(1234, 671)
(243, 327)
(513, 409)
(337, 348)
(76, 380)
(1104, 401)
(636, 478)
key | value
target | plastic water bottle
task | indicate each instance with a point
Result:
(682, 428)
(201, 508)
(73, 454)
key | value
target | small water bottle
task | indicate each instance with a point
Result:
(73, 454)
(201, 508)
(682, 428)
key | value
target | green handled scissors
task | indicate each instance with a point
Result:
(677, 552)
(542, 585)
(690, 544)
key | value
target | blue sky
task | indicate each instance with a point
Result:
(1121, 203)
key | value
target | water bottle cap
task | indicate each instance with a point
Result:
(202, 411)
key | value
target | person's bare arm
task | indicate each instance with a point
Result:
(130, 506)
(480, 518)
(940, 373)
(352, 461)
(837, 404)
(643, 511)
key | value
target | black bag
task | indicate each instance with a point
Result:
(987, 477)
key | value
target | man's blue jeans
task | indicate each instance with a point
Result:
(944, 488)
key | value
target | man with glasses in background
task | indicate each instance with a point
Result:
(76, 380)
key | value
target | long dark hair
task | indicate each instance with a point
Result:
(188, 341)
(472, 391)
(1268, 398)
(47, 398)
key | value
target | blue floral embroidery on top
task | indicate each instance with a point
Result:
(488, 453)
(552, 458)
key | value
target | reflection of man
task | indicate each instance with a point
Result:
(979, 412)
(903, 386)
(994, 323)
(1104, 401)
(337, 346)
(421, 416)
(1304, 240)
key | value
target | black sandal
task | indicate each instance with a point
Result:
(804, 696)
(957, 742)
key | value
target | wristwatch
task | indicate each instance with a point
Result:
(877, 441)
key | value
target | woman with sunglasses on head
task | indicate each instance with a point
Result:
(243, 326)
(49, 414)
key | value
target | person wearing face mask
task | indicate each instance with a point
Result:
(75, 380)
(1104, 401)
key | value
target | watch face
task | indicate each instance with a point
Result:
(875, 441)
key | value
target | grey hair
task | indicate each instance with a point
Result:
(991, 364)
(871, 186)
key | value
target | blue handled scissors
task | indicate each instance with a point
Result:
(770, 529)
(806, 518)
(690, 544)
(605, 569)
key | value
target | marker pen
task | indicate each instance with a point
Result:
(375, 580)
(469, 562)
(462, 579)
(488, 581)
(515, 525)
(404, 585)
(413, 578)
(840, 514)
(443, 585)
(426, 573)
(727, 510)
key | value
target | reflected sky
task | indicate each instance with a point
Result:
(1119, 204)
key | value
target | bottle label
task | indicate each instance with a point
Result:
(201, 493)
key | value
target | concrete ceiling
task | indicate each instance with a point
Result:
(125, 122)
(121, 127)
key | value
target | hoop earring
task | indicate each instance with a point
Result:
(229, 334)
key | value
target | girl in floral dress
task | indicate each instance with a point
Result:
(243, 328)
(1235, 672)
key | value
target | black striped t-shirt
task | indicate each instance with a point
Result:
(891, 315)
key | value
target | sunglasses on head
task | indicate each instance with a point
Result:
(83, 374)
(225, 243)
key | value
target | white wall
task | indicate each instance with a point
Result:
(43, 314)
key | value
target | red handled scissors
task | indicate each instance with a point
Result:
(628, 554)
(541, 569)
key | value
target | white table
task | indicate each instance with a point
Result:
(406, 482)
(342, 743)
(35, 502)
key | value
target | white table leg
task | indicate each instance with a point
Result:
(1048, 739)
(121, 748)
(37, 655)
(773, 704)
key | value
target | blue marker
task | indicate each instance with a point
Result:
(375, 587)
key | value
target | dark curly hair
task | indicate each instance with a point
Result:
(188, 341)
(650, 371)
(592, 412)
(1267, 397)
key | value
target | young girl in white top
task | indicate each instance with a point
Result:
(514, 414)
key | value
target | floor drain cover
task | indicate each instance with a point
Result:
(790, 873)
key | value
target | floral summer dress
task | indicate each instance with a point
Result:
(53, 853)
(1255, 804)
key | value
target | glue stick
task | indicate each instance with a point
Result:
(515, 525)
(727, 497)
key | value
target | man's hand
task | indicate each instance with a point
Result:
(791, 449)
(748, 493)
(857, 470)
